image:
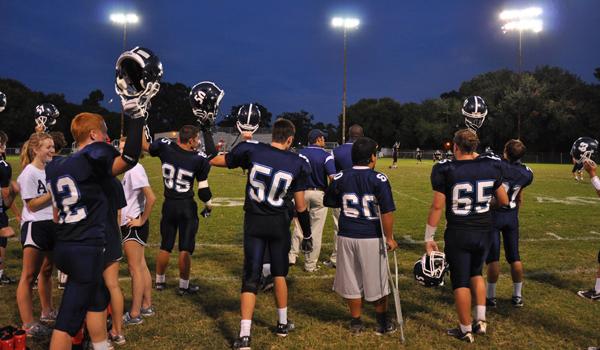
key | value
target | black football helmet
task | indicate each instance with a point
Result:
(138, 73)
(474, 109)
(2, 101)
(584, 148)
(430, 269)
(204, 99)
(248, 118)
(46, 115)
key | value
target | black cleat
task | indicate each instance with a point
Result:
(491, 302)
(458, 334)
(388, 328)
(356, 326)
(160, 286)
(589, 294)
(241, 343)
(191, 289)
(517, 301)
(4, 279)
(480, 327)
(284, 329)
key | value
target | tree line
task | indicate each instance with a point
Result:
(553, 105)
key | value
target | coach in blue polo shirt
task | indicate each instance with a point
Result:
(342, 156)
(323, 169)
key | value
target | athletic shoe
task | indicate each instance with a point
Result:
(389, 327)
(131, 321)
(491, 302)
(312, 270)
(191, 289)
(4, 279)
(458, 334)
(148, 312)
(61, 285)
(242, 343)
(37, 330)
(329, 263)
(50, 318)
(284, 329)
(160, 286)
(589, 294)
(118, 339)
(356, 326)
(517, 301)
(266, 283)
(480, 327)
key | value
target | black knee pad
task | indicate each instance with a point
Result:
(250, 286)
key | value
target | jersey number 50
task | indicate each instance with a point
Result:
(279, 183)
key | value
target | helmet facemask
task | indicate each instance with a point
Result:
(248, 119)
(434, 264)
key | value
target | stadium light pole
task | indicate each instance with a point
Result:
(346, 24)
(124, 19)
(521, 20)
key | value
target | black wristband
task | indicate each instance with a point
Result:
(304, 220)
(204, 194)
(209, 144)
(133, 144)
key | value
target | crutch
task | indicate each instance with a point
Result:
(393, 283)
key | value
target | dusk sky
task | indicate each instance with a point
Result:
(285, 54)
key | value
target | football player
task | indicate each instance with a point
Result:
(342, 155)
(395, 151)
(45, 116)
(577, 171)
(465, 187)
(8, 192)
(275, 175)
(322, 171)
(365, 197)
(81, 210)
(516, 176)
(182, 163)
(37, 233)
(59, 144)
(419, 155)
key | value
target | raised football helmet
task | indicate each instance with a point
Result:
(430, 269)
(474, 109)
(584, 148)
(46, 115)
(2, 101)
(204, 99)
(138, 75)
(248, 118)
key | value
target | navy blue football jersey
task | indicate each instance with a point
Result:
(469, 186)
(76, 186)
(116, 200)
(342, 155)
(321, 165)
(358, 191)
(5, 176)
(273, 177)
(179, 168)
(516, 176)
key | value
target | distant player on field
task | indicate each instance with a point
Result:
(9, 190)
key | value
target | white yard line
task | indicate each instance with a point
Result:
(409, 196)
(553, 235)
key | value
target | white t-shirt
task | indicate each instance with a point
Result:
(133, 182)
(33, 184)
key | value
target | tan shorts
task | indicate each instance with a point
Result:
(361, 269)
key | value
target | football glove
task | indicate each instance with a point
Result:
(206, 212)
(133, 108)
(307, 245)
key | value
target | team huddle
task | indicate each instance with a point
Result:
(78, 216)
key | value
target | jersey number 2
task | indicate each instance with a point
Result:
(68, 191)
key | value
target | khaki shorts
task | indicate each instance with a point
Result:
(361, 269)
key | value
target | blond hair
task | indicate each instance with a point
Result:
(34, 142)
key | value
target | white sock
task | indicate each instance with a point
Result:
(491, 290)
(517, 289)
(465, 329)
(597, 288)
(266, 270)
(480, 313)
(160, 278)
(184, 284)
(282, 314)
(245, 326)
(1, 272)
(103, 345)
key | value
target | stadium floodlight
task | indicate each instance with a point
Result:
(124, 19)
(346, 23)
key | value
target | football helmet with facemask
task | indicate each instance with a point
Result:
(2, 101)
(138, 75)
(430, 269)
(46, 115)
(474, 109)
(204, 99)
(584, 148)
(248, 118)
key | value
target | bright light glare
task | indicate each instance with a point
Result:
(348, 23)
(530, 12)
(535, 25)
(122, 18)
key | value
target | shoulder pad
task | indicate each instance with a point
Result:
(444, 161)
(165, 140)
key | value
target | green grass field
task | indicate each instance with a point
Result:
(558, 249)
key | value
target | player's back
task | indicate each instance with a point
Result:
(5, 176)
(321, 164)
(342, 156)
(273, 177)
(516, 176)
(75, 182)
(469, 186)
(179, 168)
